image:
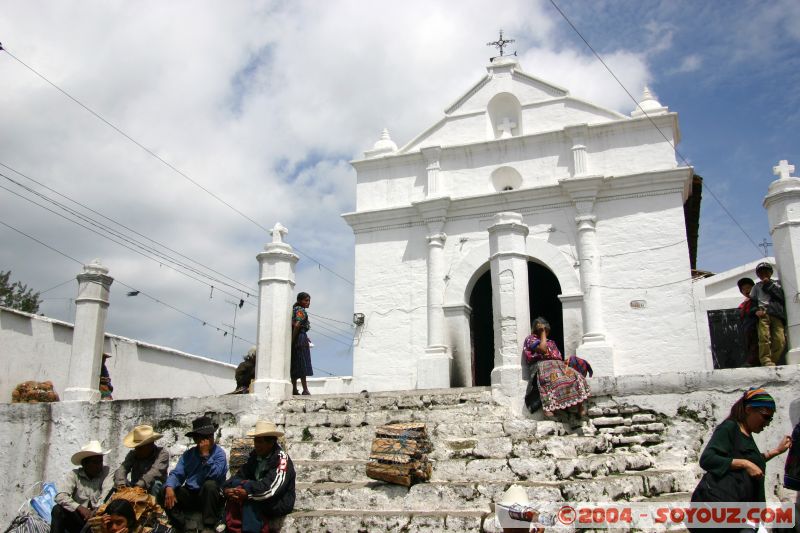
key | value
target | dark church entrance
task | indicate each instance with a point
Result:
(543, 294)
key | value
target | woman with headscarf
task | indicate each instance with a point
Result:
(734, 465)
(560, 387)
(301, 351)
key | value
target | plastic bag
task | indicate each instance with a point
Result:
(44, 502)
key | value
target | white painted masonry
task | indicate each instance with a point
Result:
(601, 193)
(39, 348)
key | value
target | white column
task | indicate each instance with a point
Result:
(433, 369)
(510, 306)
(594, 347)
(432, 154)
(783, 210)
(275, 300)
(86, 358)
(580, 160)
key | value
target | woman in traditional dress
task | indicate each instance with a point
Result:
(560, 387)
(301, 351)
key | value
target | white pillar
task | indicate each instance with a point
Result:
(510, 306)
(432, 154)
(580, 159)
(783, 210)
(594, 346)
(86, 358)
(433, 369)
(275, 300)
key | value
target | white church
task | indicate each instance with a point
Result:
(523, 201)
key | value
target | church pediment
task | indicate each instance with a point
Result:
(507, 103)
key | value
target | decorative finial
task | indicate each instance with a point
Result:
(501, 43)
(647, 94)
(783, 170)
(277, 232)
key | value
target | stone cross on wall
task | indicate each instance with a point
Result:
(278, 232)
(505, 128)
(783, 170)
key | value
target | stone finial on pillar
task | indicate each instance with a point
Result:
(275, 299)
(510, 306)
(88, 335)
(783, 211)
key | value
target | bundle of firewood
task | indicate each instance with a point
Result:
(399, 454)
(34, 392)
(240, 451)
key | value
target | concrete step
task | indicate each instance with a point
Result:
(368, 521)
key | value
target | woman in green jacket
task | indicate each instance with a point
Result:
(732, 446)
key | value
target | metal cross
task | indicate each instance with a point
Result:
(501, 43)
(764, 244)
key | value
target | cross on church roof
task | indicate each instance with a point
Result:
(501, 43)
(783, 170)
(505, 128)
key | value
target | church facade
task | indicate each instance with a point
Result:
(523, 201)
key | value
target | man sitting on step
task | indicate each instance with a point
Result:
(263, 488)
(146, 463)
(195, 483)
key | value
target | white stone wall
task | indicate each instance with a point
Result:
(38, 348)
(41, 438)
(646, 285)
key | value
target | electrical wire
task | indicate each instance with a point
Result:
(125, 246)
(84, 206)
(672, 144)
(163, 161)
(138, 291)
(56, 286)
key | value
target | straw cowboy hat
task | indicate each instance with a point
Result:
(515, 494)
(90, 449)
(265, 429)
(140, 436)
(203, 426)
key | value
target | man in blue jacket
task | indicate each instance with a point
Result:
(263, 488)
(197, 479)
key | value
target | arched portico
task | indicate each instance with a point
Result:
(466, 273)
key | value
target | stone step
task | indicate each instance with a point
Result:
(416, 399)
(477, 495)
(379, 520)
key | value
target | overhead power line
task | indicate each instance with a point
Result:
(674, 147)
(120, 224)
(143, 254)
(138, 291)
(162, 160)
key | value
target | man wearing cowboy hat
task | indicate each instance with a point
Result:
(82, 491)
(146, 463)
(263, 487)
(195, 483)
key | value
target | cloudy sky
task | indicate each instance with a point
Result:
(264, 103)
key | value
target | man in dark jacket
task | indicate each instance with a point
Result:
(748, 322)
(263, 488)
(146, 463)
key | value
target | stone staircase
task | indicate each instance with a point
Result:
(619, 453)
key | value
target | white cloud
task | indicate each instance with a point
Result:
(690, 63)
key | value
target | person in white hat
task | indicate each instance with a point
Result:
(146, 463)
(82, 490)
(263, 488)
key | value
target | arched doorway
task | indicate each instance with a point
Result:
(543, 291)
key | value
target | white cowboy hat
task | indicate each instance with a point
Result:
(265, 429)
(88, 450)
(140, 436)
(515, 494)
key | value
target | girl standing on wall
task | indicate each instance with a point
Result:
(301, 351)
